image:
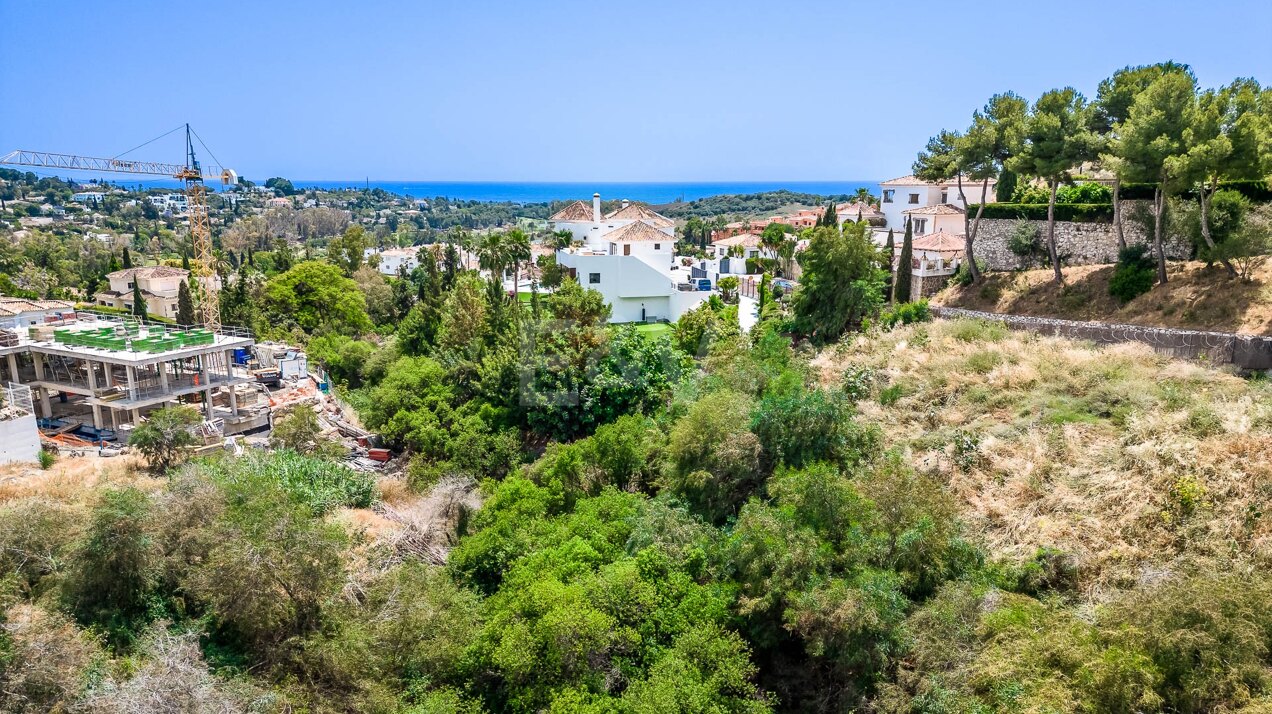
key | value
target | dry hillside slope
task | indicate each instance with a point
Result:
(1196, 297)
(1131, 464)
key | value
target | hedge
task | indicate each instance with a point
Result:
(1258, 191)
(1075, 212)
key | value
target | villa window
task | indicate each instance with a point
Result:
(887, 195)
(914, 198)
(920, 226)
(945, 197)
(593, 278)
(658, 246)
(627, 249)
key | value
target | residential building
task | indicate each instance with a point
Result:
(937, 218)
(89, 197)
(908, 193)
(159, 286)
(628, 256)
(21, 312)
(935, 258)
(394, 259)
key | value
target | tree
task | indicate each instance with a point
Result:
(889, 252)
(1228, 141)
(1057, 139)
(517, 252)
(1112, 106)
(1153, 142)
(728, 289)
(298, 429)
(841, 285)
(315, 295)
(829, 219)
(281, 185)
(347, 251)
(138, 301)
(185, 305)
(127, 259)
(980, 154)
(772, 237)
(164, 433)
(904, 275)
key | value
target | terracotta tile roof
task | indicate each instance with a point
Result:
(644, 213)
(941, 242)
(576, 212)
(746, 240)
(850, 209)
(150, 271)
(909, 180)
(638, 231)
(10, 306)
(939, 209)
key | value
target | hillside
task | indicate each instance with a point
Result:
(1196, 297)
(753, 205)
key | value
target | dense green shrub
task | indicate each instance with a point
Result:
(804, 426)
(1134, 273)
(1257, 191)
(318, 484)
(1074, 212)
(906, 314)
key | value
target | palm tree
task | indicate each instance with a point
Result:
(517, 252)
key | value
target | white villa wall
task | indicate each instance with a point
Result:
(630, 285)
(19, 440)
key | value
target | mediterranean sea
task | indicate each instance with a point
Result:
(535, 192)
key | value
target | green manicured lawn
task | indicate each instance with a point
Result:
(654, 329)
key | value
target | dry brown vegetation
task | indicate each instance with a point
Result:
(1196, 297)
(1132, 464)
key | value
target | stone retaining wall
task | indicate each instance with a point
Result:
(1246, 352)
(1077, 243)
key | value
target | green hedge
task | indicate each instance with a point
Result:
(1075, 212)
(1253, 190)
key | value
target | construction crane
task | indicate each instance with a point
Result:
(207, 304)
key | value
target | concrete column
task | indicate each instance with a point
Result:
(207, 403)
(163, 374)
(110, 374)
(92, 387)
(45, 404)
(229, 364)
(13, 368)
(233, 401)
(38, 360)
(132, 381)
(136, 416)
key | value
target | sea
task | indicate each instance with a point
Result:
(543, 192)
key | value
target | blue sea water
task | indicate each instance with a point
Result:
(535, 192)
(542, 192)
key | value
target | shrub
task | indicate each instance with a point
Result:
(1074, 212)
(858, 382)
(316, 483)
(1023, 241)
(891, 395)
(979, 330)
(810, 425)
(1134, 273)
(963, 276)
(1086, 192)
(46, 459)
(164, 434)
(906, 314)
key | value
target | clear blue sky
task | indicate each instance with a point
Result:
(573, 91)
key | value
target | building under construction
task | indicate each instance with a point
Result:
(96, 375)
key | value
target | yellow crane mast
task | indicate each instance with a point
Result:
(205, 293)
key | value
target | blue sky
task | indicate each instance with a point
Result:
(572, 91)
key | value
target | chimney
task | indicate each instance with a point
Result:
(624, 203)
(596, 208)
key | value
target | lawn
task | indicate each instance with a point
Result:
(654, 329)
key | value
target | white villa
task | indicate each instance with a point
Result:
(628, 256)
(900, 196)
(394, 259)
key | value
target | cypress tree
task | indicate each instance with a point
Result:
(830, 220)
(127, 259)
(185, 304)
(889, 249)
(185, 263)
(114, 263)
(901, 289)
(139, 304)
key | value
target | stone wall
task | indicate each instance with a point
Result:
(1077, 243)
(1249, 353)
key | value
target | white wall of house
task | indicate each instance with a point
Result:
(634, 289)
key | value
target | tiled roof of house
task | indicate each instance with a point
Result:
(941, 242)
(638, 231)
(576, 211)
(912, 180)
(851, 209)
(10, 306)
(939, 209)
(746, 240)
(644, 213)
(150, 271)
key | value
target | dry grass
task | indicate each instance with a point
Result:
(73, 479)
(1128, 461)
(1195, 297)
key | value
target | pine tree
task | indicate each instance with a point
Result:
(127, 259)
(139, 303)
(114, 263)
(889, 249)
(901, 289)
(185, 304)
